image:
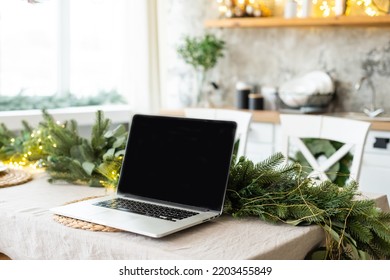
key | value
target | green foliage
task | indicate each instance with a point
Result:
(12, 145)
(27, 102)
(270, 190)
(202, 53)
(65, 154)
(337, 173)
(278, 192)
(78, 160)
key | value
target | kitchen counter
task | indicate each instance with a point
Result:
(273, 117)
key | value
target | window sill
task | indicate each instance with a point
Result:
(85, 116)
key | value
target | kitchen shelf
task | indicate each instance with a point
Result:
(264, 22)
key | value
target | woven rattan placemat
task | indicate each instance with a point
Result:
(79, 224)
(13, 177)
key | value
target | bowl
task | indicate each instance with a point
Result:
(295, 100)
(314, 89)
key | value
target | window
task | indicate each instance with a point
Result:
(82, 47)
(97, 34)
(28, 53)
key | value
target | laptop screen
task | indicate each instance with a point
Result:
(180, 160)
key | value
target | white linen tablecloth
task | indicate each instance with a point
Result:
(28, 231)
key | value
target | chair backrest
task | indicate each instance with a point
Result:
(351, 133)
(242, 119)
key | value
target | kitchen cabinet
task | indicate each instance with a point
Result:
(264, 139)
(261, 141)
(375, 173)
(264, 22)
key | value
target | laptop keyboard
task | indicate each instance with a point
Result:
(142, 208)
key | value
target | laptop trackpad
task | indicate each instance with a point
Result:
(118, 218)
(133, 222)
(78, 210)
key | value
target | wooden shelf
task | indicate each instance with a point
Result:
(298, 22)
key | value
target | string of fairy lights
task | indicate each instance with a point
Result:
(319, 8)
(33, 153)
(49, 147)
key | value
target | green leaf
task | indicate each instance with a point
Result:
(109, 154)
(119, 142)
(335, 236)
(118, 131)
(120, 153)
(88, 167)
(293, 222)
(317, 254)
(82, 153)
(202, 53)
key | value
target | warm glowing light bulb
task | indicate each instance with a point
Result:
(370, 11)
(222, 9)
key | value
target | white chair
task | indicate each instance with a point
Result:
(242, 119)
(351, 133)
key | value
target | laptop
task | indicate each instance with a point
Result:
(174, 176)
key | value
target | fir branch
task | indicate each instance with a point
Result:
(270, 163)
(276, 192)
(99, 129)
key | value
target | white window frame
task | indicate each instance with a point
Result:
(144, 88)
(63, 47)
(145, 91)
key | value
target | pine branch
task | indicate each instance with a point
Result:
(276, 192)
(99, 129)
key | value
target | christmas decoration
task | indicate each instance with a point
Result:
(64, 154)
(275, 192)
(12, 145)
(245, 8)
(28, 102)
(270, 190)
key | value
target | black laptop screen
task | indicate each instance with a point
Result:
(180, 160)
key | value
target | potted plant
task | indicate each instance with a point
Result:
(202, 53)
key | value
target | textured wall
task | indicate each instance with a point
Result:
(273, 55)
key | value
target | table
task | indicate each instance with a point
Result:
(28, 231)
